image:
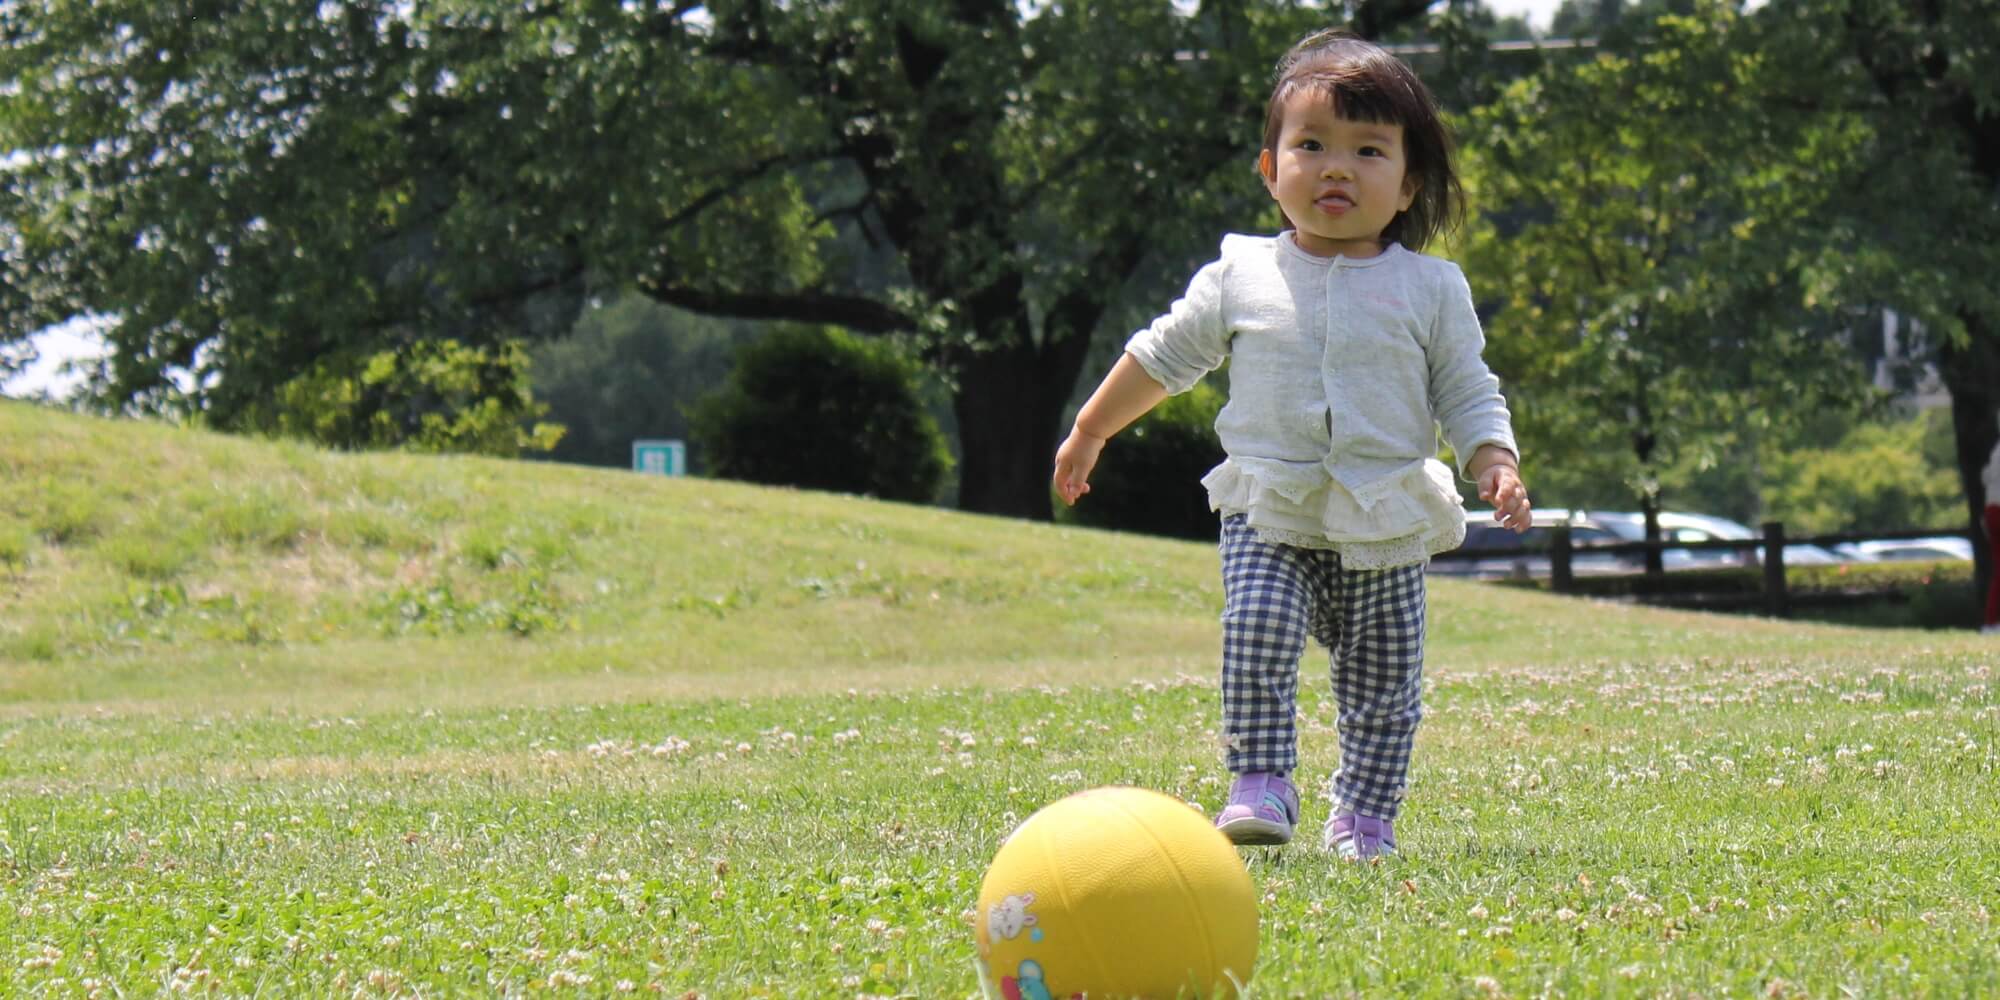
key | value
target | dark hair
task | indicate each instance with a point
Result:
(1365, 83)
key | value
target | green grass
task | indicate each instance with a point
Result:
(275, 721)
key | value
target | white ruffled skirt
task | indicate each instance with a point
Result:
(1405, 519)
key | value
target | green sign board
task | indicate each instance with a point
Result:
(660, 457)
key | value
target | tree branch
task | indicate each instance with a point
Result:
(852, 211)
(1060, 172)
(1888, 80)
(1075, 312)
(862, 315)
(745, 176)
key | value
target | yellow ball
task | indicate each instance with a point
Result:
(1116, 892)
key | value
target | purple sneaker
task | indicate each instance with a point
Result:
(1360, 838)
(1262, 809)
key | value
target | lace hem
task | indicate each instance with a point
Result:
(1389, 554)
(1305, 500)
(1418, 513)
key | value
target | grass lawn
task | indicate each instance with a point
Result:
(275, 721)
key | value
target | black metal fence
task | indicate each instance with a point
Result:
(1777, 598)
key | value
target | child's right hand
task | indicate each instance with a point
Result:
(1074, 460)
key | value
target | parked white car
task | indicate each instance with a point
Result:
(1527, 555)
(1680, 526)
(1946, 548)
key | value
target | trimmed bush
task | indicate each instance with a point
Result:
(1149, 478)
(820, 409)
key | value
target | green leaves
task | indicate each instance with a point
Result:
(249, 191)
(255, 190)
(1652, 230)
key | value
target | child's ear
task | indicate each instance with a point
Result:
(1411, 185)
(1267, 168)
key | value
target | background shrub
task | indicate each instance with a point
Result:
(428, 396)
(821, 409)
(1878, 476)
(1149, 478)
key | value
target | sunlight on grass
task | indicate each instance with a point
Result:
(392, 725)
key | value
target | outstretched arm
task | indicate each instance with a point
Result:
(1124, 396)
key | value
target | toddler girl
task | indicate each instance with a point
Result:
(1347, 350)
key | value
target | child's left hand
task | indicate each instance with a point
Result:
(1500, 485)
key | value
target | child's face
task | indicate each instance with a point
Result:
(1340, 181)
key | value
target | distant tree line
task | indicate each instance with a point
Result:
(339, 220)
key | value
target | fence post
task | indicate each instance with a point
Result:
(1560, 579)
(1777, 603)
(1656, 549)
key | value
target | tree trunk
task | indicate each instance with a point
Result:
(1009, 405)
(1972, 373)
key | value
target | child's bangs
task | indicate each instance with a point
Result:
(1354, 96)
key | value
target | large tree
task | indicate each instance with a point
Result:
(1021, 164)
(1019, 167)
(1923, 211)
(1690, 224)
(1649, 241)
(256, 189)
(256, 192)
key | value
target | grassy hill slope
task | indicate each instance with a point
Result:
(142, 564)
(279, 722)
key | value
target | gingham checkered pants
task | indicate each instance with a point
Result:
(1371, 621)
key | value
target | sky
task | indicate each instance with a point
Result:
(1538, 12)
(56, 345)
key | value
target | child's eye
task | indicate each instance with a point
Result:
(1372, 151)
(1309, 145)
